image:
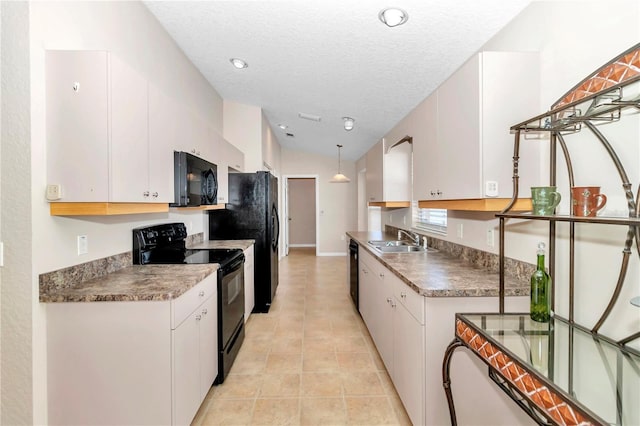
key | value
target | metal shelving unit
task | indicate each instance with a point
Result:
(604, 96)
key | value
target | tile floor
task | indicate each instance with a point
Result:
(309, 361)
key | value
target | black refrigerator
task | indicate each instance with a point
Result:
(252, 213)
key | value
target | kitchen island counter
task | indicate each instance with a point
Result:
(438, 274)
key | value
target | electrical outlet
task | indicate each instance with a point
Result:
(1, 254)
(459, 230)
(342, 237)
(83, 244)
(491, 188)
(491, 237)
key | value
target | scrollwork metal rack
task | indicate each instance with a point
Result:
(600, 97)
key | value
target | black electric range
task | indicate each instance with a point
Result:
(166, 244)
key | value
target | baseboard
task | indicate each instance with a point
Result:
(331, 254)
(301, 245)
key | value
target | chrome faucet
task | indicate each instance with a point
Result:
(413, 237)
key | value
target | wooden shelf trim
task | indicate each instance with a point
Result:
(202, 208)
(105, 209)
(390, 204)
(480, 204)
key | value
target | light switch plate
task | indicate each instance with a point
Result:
(83, 244)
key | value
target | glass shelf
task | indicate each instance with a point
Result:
(562, 368)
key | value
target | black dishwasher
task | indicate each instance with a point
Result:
(353, 272)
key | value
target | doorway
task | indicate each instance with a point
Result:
(301, 212)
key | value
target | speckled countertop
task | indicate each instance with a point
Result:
(115, 279)
(438, 274)
(224, 244)
(137, 282)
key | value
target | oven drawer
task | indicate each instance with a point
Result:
(184, 305)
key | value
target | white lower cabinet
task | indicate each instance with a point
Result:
(389, 309)
(249, 289)
(132, 363)
(195, 358)
(420, 328)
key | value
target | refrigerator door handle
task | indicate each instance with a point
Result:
(275, 223)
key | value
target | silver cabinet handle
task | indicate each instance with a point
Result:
(381, 275)
(388, 300)
(198, 317)
(201, 294)
(204, 312)
(393, 304)
(403, 295)
(145, 193)
(155, 194)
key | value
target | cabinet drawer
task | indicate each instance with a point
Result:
(182, 307)
(409, 299)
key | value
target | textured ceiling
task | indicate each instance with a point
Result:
(331, 58)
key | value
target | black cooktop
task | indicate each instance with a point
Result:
(165, 244)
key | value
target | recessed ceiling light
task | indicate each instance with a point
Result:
(238, 63)
(393, 16)
(282, 126)
(348, 123)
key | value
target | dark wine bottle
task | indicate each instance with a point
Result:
(540, 290)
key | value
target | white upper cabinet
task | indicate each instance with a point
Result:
(388, 173)
(101, 143)
(78, 124)
(374, 173)
(427, 170)
(163, 140)
(469, 145)
(233, 156)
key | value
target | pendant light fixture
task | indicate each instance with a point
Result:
(339, 177)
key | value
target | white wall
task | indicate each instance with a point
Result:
(337, 201)
(16, 293)
(129, 31)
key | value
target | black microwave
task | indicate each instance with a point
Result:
(195, 181)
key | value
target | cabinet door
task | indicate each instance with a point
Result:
(208, 344)
(162, 142)
(129, 134)
(77, 124)
(365, 292)
(186, 370)
(374, 173)
(408, 362)
(459, 132)
(249, 290)
(426, 150)
(220, 160)
(382, 329)
(234, 157)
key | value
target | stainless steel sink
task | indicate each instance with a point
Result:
(390, 243)
(401, 249)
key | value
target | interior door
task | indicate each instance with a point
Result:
(286, 217)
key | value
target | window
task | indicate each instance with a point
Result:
(434, 220)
